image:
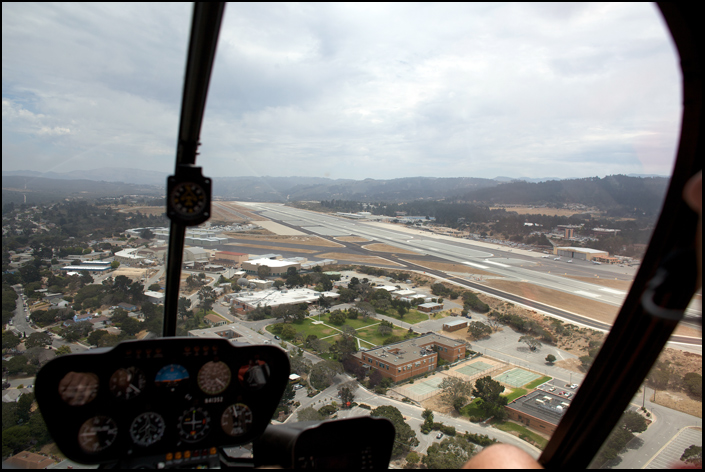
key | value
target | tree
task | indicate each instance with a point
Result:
(207, 297)
(9, 340)
(309, 414)
(155, 287)
(459, 403)
(366, 308)
(452, 453)
(530, 341)
(693, 455)
(63, 350)
(479, 330)
(384, 330)
(94, 338)
(353, 367)
(288, 332)
(694, 384)
(182, 307)
(412, 458)
(633, 422)
(114, 264)
(38, 340)
(405, 437)
(323, 374)
(300, 365)
(337, 317)
(263, 272)
(453, 388)
(346, 396)
(550, 358)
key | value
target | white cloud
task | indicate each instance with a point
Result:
(348, 90)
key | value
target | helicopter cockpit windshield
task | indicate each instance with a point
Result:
(241, 317)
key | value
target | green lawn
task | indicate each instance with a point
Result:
(356, 324)
(473, 409)
(412, 317)
(537, 382)
(372, 335)
(524, 432)
(307, 327)
(515, 394)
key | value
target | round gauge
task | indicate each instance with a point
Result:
(214, 377)
(236, 419)
(147, 429)
(78, 388)
(188, 198)
(97, 434)
(127, 383)
(194, 424)
(254, 375)
(171, 375)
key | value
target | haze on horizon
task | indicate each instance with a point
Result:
(347, 90)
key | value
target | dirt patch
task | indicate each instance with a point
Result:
(130, 272)
(381, 247)
(145, 210)
(302, 240)
(238, 208)
(435, 404)
(447, 267)
(352, 239)
(624, 285)
(570, 364)
(545, 211)
(358, 258)
(274, 248)
(679, 401)
(592, 309)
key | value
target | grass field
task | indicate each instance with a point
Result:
(537, 382)
(516, 393)
(473, 409)
(523, 432)
(366, 330)
(412, 317)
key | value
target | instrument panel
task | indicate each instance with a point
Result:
(161, 402)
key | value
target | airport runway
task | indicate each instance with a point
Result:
(516, 265)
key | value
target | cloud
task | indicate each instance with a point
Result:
(348, 90)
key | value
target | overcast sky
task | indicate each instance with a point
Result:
(346, 90)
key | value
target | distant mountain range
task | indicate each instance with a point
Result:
(40, 187)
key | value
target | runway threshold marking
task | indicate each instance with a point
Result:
(479, 266)
(497, 264)
(588, 294)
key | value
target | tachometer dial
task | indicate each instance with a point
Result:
(147, 429)
(236, 419)
(171, 376)
(214, 377)
(97, 434)
(194, 424)
(127, 383)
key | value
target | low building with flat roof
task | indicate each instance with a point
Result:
(276, 297)
(430, 307)
(538, 410)
(406, 359)
(454, 324)
(582, 253)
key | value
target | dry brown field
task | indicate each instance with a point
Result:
(544, 211)
(352, 239)
(146, 210)
(274, 248)
(592, 309)
(447, 267)
(242, 210)
(303, 240)
(131, 272)
(357, 258)
(381, 247)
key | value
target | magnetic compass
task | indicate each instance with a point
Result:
(188, 196)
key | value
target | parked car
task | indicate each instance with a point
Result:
(277, 337)
(570, 261)
(556, 258)
(574, 386)
(552, 389)
(439, 436)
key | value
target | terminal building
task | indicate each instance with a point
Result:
(406, 359)
(539, 410)
(252, 300)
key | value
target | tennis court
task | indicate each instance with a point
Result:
(424, 389)
(517, 377)
(475, 368)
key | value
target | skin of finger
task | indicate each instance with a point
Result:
(502, 456)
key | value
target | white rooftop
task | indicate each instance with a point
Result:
(271, 262)
(276, 298)
(582, 249)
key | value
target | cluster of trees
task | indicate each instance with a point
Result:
(489, 392)
(22, 427)
(630, 423)
(522, 325)
(405, 437)
(663, 376)
(9, 303)
(455, 392)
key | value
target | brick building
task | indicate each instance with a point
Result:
(455, 325)
(539, 410)
(230, 258)
(406, 359)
